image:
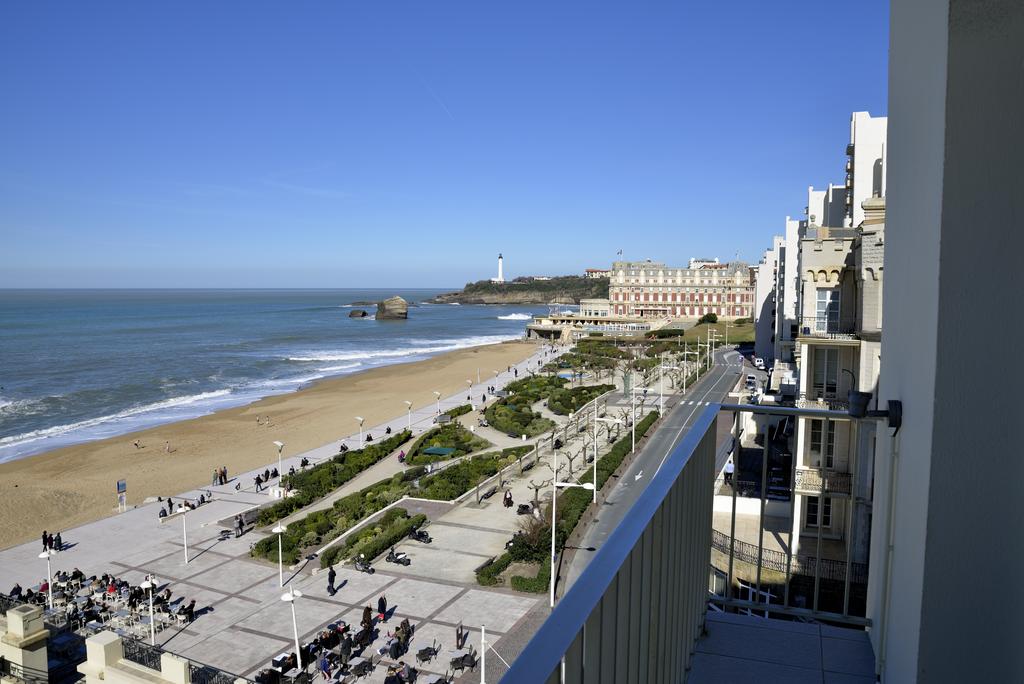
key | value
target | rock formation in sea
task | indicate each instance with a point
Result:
(392, 309)
(357, 313)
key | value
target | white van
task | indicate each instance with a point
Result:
(758, 363)
(751, 382)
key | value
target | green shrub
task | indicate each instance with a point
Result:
(488, 575)
(448, 436)
(566, 401)
(514, 415)
(459, 411)
(534, 585)
(386, 538)
(708, 318)
(323, 478)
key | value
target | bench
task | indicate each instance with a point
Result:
(491, 491)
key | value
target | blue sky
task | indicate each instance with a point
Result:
(345, 144)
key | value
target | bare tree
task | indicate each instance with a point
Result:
(536, 487)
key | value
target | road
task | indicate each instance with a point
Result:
(711, 389)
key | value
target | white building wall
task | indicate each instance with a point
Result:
(765, 305)
(786, 292)
(868, 137)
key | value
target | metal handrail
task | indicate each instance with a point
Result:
(29, 675)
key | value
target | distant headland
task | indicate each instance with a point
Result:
(528, 290)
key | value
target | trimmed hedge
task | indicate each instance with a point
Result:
(514, 414)
(459, 411)
(324, 478)
(488, 575)
(319, 527)
(534, 585)
(450, 436)
(375, 539)
(456, 480)
(566, 401)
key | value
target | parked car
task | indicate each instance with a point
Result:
(751, 381)
(758, 363)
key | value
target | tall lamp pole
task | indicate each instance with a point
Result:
(437, 398)
(280, 530)
(47, 554)
(280, 466)
(149, 585)
(596, 421)
(408, 410)
(360, 419)
(555, 486)
(290, 598)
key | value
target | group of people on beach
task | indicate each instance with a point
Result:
(220, 476)
(52, 542)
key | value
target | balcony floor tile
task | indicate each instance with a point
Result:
(708, 668)
(754, 642)
(742, 648)
(846, 656)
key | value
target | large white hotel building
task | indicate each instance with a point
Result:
(652, 289)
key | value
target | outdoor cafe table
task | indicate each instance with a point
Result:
(85, 591)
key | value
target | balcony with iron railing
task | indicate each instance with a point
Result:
(817, 400)
(812, 482)
(639, 611)
(827, 328)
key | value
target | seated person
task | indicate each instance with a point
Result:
(189, 611)
(16, 591)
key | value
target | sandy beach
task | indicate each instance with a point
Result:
(67, 487)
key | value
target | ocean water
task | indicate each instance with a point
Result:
(82, 365)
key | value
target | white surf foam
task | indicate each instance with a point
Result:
(429, 347)
(58, 430)
(515, 317)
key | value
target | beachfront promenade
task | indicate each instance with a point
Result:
(242, 623)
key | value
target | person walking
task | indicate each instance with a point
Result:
(46, 540)
(49, 542)
(345, 651)
(382, 609)
(367, 619)
(729, 468)
(215, 480)
(259, 484)
(58, 543)
(240, 524)
(331, 576)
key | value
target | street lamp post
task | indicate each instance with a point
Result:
(555, 486)
(360, 419)
(279, 530)
(184, 531)
(280, 467)
(149, 585)
(408, 410)
(289, 598)
(47, 554)
(437, 398)
(633, 414)
(661, 384)
(596, 421)
(685, 354)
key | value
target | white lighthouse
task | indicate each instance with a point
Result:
(501, 274)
